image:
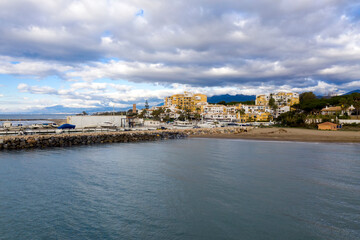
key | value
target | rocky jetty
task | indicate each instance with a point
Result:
(67, 140)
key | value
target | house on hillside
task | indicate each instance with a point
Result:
(327, 126)
(337, 110)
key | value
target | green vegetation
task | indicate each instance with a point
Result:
(310, 107)
(156, 113)
(310, 104)
(292, 119)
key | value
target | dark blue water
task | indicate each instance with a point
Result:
(182, 189)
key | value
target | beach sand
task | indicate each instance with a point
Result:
(292, 134)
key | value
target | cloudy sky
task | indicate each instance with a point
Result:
(86, 53)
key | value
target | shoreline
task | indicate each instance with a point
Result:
(68, 140)
(263, 134)
(290, 134)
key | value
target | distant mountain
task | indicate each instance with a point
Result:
(355, 91)
(231, 98)
(67, 110)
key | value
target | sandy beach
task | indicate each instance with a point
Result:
(292, 134)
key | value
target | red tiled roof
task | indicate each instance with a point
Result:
(327, 123)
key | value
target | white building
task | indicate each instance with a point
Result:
(256, 108)
(90, 121)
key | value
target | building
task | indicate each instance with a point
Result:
(186, 101)
(89, 121)
(331, 110)
(327, 126)
(337, 110)
(254, 117)
(281, 99)
(218, 112)
(255, 108)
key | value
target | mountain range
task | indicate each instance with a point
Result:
(354, 91)
(231, 98)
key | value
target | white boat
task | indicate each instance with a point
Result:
(183, 124)
(107, 125)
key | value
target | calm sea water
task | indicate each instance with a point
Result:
(182, 189)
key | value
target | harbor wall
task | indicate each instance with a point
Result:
(67, 140)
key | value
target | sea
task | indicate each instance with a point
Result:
(182, 189)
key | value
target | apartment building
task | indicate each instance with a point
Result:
(281, 99)
(186, 101)
(254, 117)
(218, 112)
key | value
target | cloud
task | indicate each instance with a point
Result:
(217, 47)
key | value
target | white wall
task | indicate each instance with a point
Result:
(349, 121)
(87, 121)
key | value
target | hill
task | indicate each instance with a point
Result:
(354, 91)
(231, 98)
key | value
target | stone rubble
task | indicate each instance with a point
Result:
(67, 140)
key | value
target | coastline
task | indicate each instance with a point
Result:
(290, 134)
(67, 140)
(270, 134)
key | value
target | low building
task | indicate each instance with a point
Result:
(331, 110)
(337, 110)
(328, 126)
(90, 121)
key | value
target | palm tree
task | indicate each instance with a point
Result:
(241, 112)
(344, 105)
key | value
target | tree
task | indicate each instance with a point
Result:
(271, 101)
(156, 113)
(143, 113)
(357, 107)
(146, 104)
(292, 119)
(182, 117)
(307, 96)
(167, 118)
(241, 111)
(344, 104)
(197, 116)
(84, 113)
(272, 104)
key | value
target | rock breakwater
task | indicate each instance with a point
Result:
(67, 140)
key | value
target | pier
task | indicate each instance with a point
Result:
(67, 140)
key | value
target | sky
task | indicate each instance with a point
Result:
(112, 53)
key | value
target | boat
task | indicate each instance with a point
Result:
(183, 124)
(67, 126)
(107, 124)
